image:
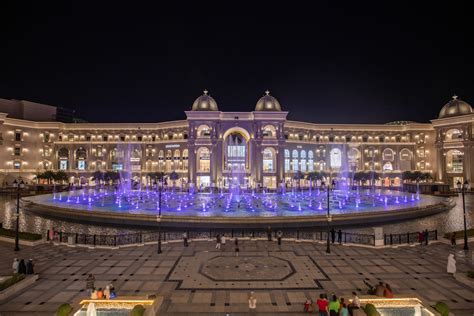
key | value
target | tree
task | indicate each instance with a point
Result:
(48, 176)
(98, 176)
(61, 176)
(407, 176)
(173, 177)
(113, 176)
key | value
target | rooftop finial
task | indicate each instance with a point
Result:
(267, 92)
(455, 97)
(205, 91)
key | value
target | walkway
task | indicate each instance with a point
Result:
(200, 278)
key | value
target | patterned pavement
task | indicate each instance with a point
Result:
(202, 279)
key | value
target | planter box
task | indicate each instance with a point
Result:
(23, 242)
(18, 287)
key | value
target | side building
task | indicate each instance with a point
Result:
(224, 149)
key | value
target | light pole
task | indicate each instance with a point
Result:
(462, 187)
(18, 185)
(328, 245)
(159, 214)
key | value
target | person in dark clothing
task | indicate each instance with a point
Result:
(339, 236)
(22, 267)
(279, 235)
(185, 239)
(333, 235)
(237, 249)
(30, 267)
(427, 236)
(269, 233)
(453, 239)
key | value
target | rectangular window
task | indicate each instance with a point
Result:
(153, 138)
(348, 138)
(295, 165)
(331, 139)
(365, 139)
(381, 139)
(17, 151)
(46, 137)
(287, 165)
(63, 165)
(139, 138)
(317, 139)
(81, 165)
(18, 136)
(117, 166)
(122, 138)
(88, 138)
(105, 138)
(16, 165)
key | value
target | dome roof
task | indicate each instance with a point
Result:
(268, 103)
(455, 107)
(205, 103)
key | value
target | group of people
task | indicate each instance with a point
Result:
(333, 236)
(333, 306)
(423, 237)
(381, 289)
(19, 266)
(98, 293)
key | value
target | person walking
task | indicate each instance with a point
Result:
(333, 235)
(90, 284)
(421, 236)
(427, 237)
(236, 244)
(15, 265)
(279, 235)
(334, 306)
(451, 268)
(344, 311)
(453, 239)
(22, 267)
(223, 240)
(218, 241)
(30, 267)
(252, 302)
(355, 304)
(269, 233)
(185, 239)
(339, 236)
(322, 303)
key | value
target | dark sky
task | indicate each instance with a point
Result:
(325, 64)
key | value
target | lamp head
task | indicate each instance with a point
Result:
(459, 185)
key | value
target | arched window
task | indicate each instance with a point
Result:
(269, 131)
(335, 158)
(185, 159)
(353, 158)
(287, 160)
(454, 161)
(81, 156)
(310, 161)
(203, 131)
(63, 155)
(388, 154)
(303, 160)
(294, 161)
(406, 157)
(453, 135)
(203, 159)
(269, 160)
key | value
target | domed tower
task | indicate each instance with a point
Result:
(205, 103)
(268, 103)
(455, 107)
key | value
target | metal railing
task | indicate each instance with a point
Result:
(149, 237)
(409, 238)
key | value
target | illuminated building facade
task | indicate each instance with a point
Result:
(221, 149)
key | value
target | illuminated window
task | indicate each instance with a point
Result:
(303, 161)
(81, 164)
(17, 151)
(268, 160)
(310, 161)
(18, 136)
(16, 165)
(204, 160)
(63, 165)
(335, 158)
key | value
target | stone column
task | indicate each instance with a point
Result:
(440, 166)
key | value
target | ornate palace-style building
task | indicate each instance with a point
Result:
(215, 148)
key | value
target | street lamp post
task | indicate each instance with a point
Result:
(462, 187)
(159, 215)
(18, 185)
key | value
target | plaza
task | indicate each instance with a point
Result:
(200, 279)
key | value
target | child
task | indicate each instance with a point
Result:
(308, 306)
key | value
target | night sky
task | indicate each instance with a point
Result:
(325, 64)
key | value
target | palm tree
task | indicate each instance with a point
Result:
(60, 176)
(173, 177)
(49, 176)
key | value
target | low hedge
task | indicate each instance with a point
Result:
(22, 235)
(64, 310)
(442, 308)
(17, 277)
(370, 310)
(138, 310)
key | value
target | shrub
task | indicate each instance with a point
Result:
(470, 274)
(442, 308)
(22, 235)
(64, 310)
(138, 310)
(17, 277)
(370, 310)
